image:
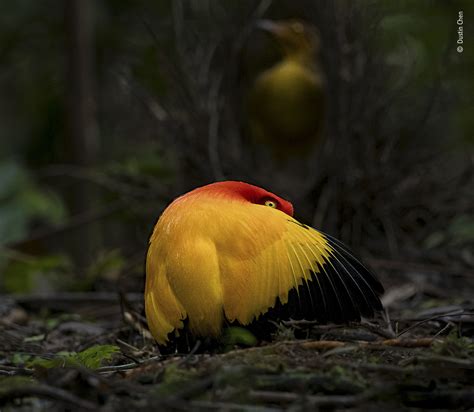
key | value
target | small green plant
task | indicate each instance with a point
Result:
(91, 358)
(455, 346)
(238, 336)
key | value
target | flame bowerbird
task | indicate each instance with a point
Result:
(231, 252)
(287, 101)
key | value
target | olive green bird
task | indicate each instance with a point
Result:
(287, 101)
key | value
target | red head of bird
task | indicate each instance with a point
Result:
(232, 252)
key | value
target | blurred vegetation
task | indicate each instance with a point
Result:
(393, 178)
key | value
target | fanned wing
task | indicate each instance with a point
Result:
(302, 273)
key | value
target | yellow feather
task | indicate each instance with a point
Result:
(225, 258)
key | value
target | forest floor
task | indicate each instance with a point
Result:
(88, 351)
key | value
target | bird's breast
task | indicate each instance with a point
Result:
(288, 102)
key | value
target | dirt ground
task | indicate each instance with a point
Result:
(90, 351)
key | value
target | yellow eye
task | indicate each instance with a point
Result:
(270, 203)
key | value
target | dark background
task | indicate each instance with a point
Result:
(110, 109)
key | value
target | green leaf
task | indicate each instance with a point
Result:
(239, 336)
(94, 356)
(91, 358)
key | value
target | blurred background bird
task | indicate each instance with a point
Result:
(232, 253)
(286, 102)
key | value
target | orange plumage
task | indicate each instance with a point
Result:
(232, 252)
